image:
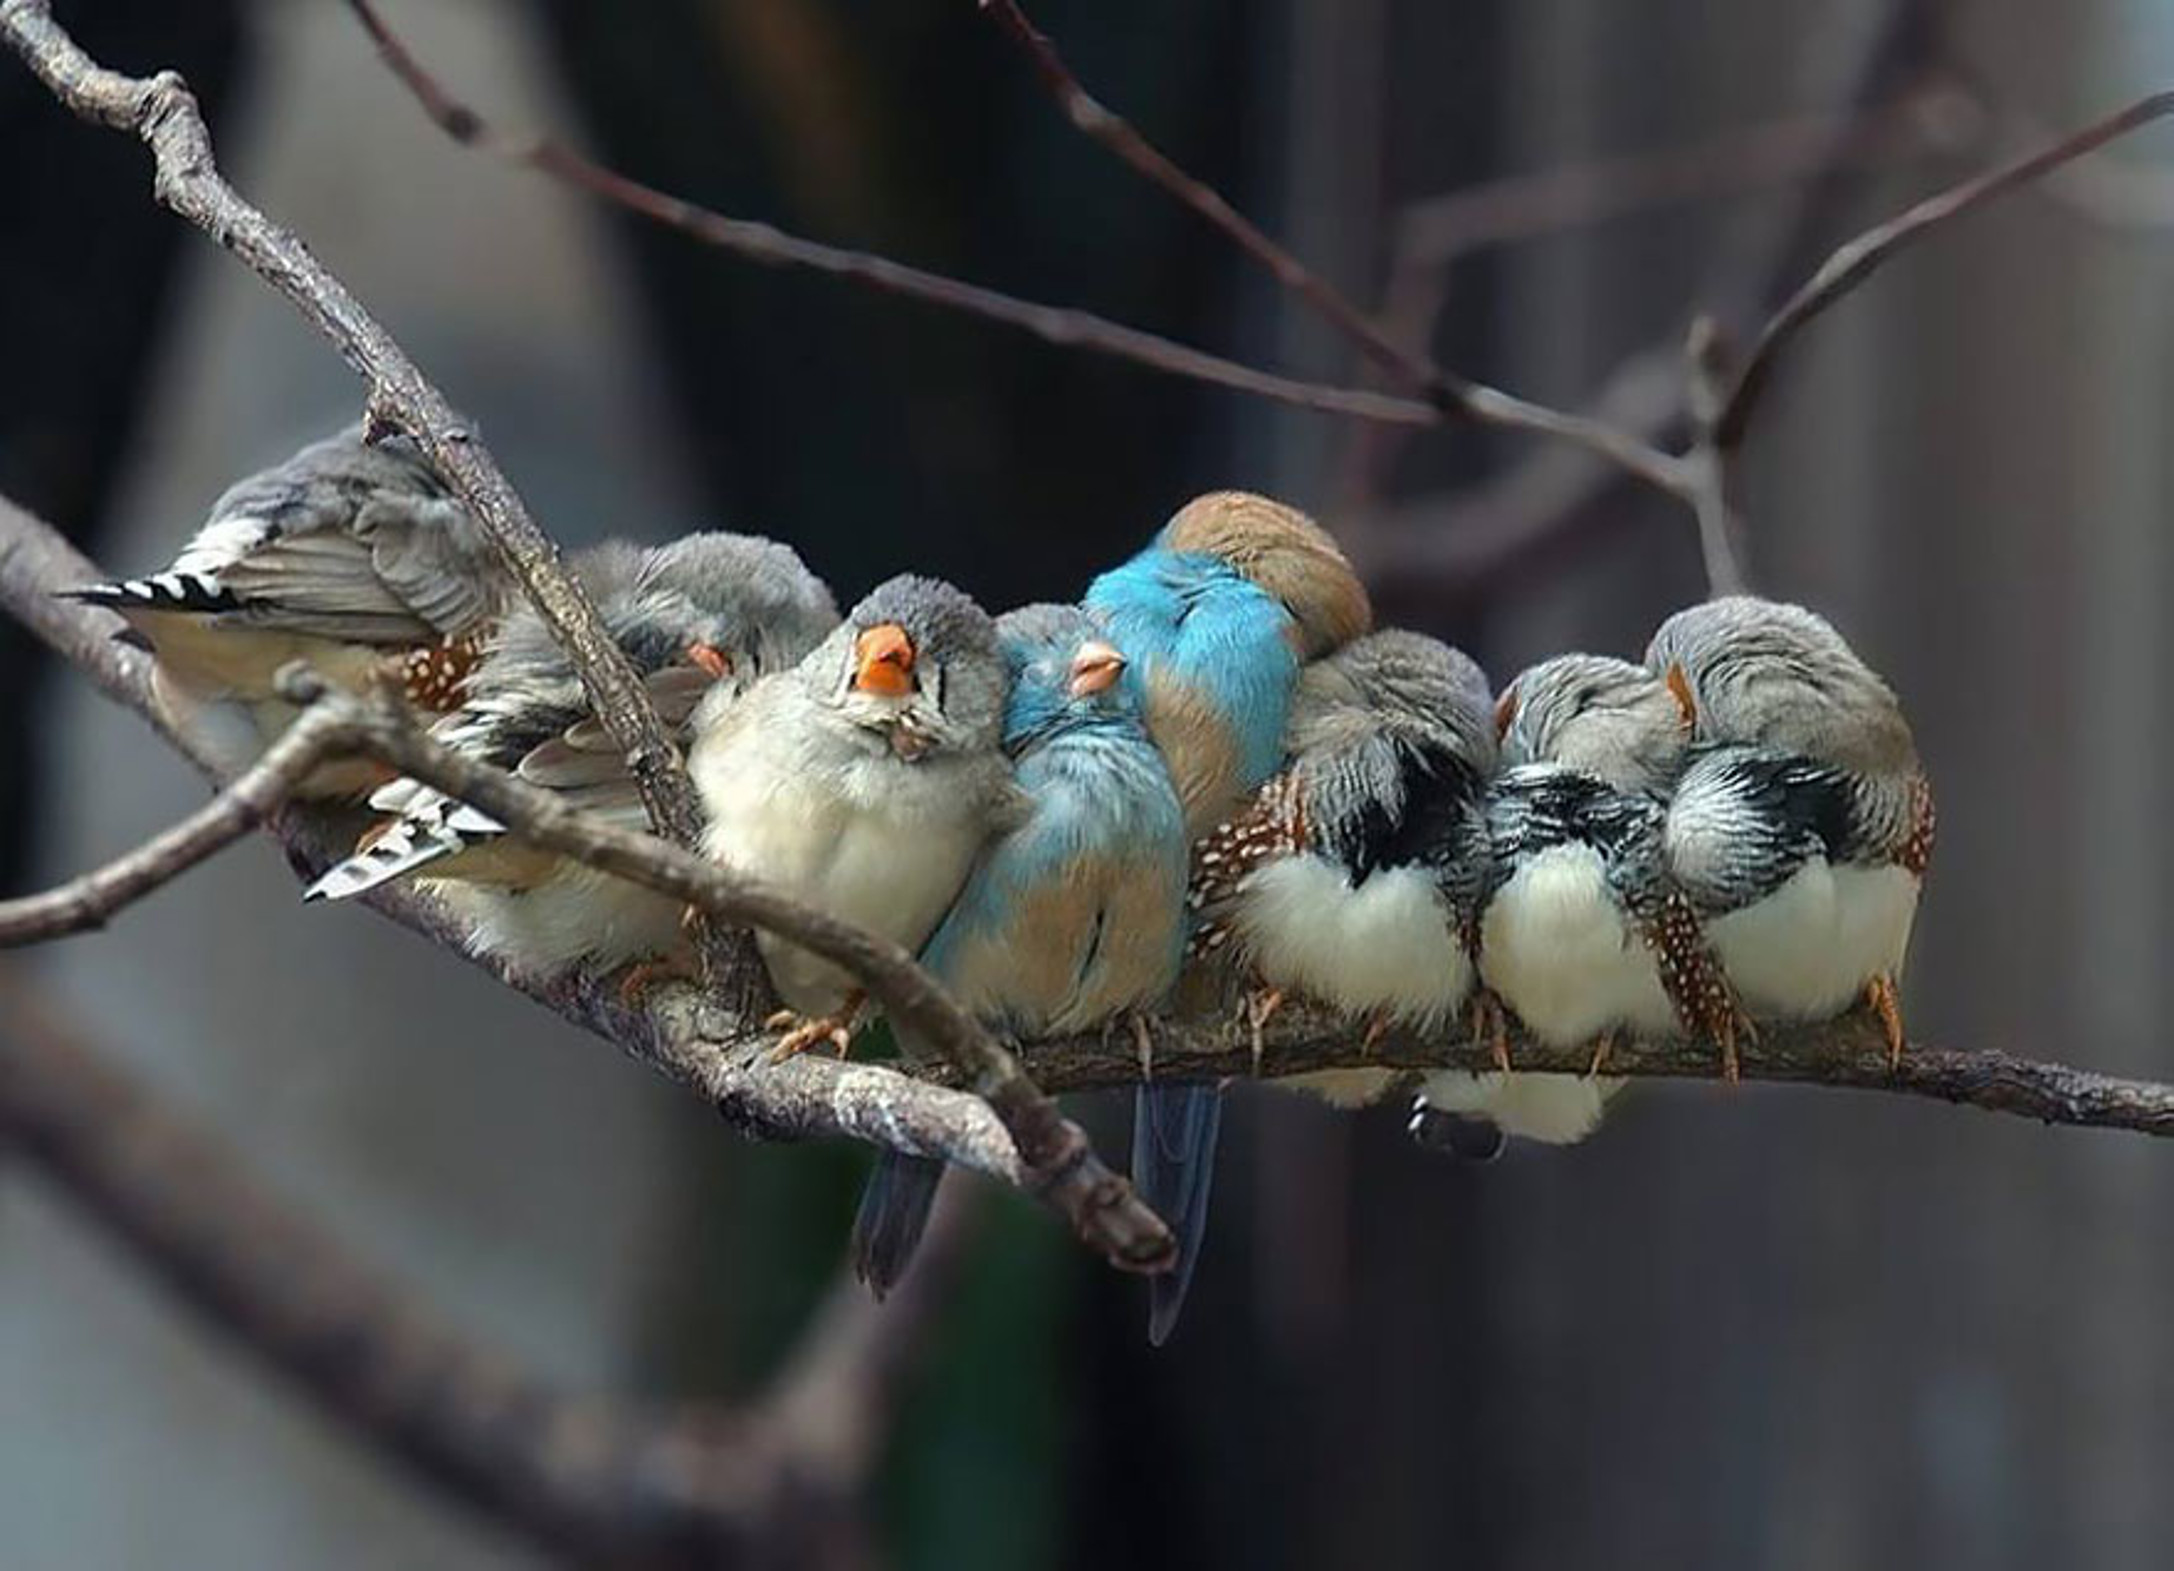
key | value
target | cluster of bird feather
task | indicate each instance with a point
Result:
(1210, 768)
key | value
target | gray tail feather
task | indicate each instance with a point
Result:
(400, 850)
(160, 592)
(1174, 1129)
(894, 1214)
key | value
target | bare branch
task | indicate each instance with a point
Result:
(690, 1038)
(1852, 263)
(1543, 505)
(250, 798)
(1452, 394)
(1007, 1127)
(579, 1477)
(773, 247)
(1710, 467)
(161, 111)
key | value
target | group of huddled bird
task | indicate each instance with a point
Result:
(1209, 766)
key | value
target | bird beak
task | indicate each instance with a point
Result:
(1680, 686)
(1505, 712)
(1095, 669)
(709, 658)
(883, 661)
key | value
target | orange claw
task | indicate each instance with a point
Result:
(1603, 1045)
(1887, 1004)
(805, 1031)
(1259, 1010)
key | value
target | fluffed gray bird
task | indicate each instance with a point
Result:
(1580, 932)
(865, 781)
(1353, 876)
(1803, 827)
(702, 618)
(352, 556)
(1074, 915)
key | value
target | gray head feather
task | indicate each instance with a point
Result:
(1778, 675)
(1595, 713)
(1396, 682)
(749, 598)
(954, 698)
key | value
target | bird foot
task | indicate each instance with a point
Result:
(1491, 1023)
(1143, 1041)
(1376, 1029)
(644, 977)
(1886, 1003)
(1603, 1045)
(1260, 1008)
(805, 1031)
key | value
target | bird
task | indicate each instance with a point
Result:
(1353, 876)
(1073, 916)
(1220, 609)
(705, 615)
(1580, 933)
(352, 555)
(864, 781)
(1804, 823)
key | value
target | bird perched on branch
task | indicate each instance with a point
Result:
(1580, 932)
(350, 555)
(1803, 826)
(1353, 876)
(701, 618)
(1074, 915)
(863, 781)
(1232, 595)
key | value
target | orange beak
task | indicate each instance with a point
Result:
(1505, 712)
(709, 658)
(1680, 686)
(1095, 669)
(883, 661)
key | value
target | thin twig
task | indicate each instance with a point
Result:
(773, 247)
(1544, 504)
(90, 900)
(1852, 263)
(1453, 394)
(1711, 468)
(1060, 325)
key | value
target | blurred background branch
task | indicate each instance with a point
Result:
(778, 1484)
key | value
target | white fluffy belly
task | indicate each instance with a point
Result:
(1385, 947)
(1558, 949)
(1807, 950)
(1557, 1110)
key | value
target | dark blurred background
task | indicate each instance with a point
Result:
(1752, 1328)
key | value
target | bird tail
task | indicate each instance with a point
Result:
(185, 592)
(1174, 1129)
(894, 1213)
(434, 828)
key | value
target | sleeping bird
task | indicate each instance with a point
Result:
(1232, 596)
(353, 556)
(702, 618)
(1074, 915)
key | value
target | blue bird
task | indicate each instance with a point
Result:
(1220, 611)
(1073, 916)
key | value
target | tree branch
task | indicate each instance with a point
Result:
(1852, 263)
(162, 112)
(1452, 394)
(1006, 1128)
(582, 1478)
